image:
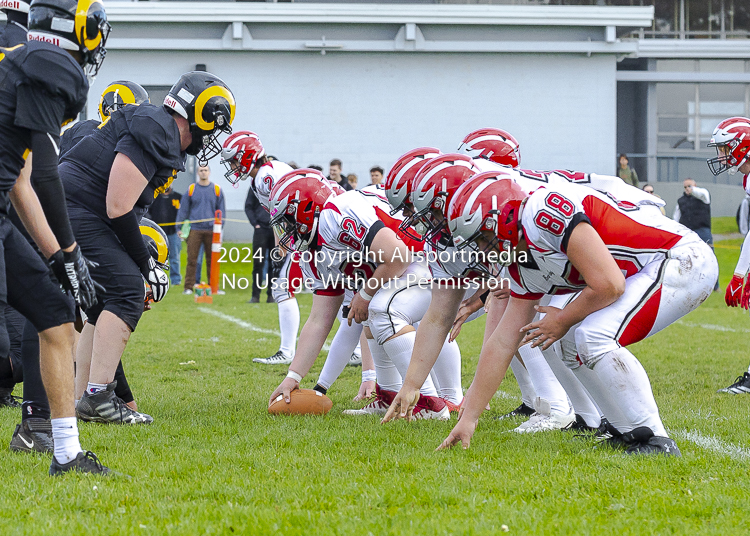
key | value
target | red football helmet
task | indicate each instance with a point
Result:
(732, 141)
(239, 154)
(295, 204)
(489, 201)
(433, 187)
(492, 144)
(403, 171)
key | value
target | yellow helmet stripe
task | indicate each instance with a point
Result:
(162, 248)
(82, 13)
(203, 98)
(124, 91)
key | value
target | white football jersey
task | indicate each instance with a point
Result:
(331, 273)
(268, 174)
(635, 237)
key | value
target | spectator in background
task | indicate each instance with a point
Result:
(199, 204)
(626, 173)
(293, 164)
(263, 243)
(650, 190)
(334, 174)
(163, 211)
(743, 215)
(693, 210)
(376, 175)
(352, 179)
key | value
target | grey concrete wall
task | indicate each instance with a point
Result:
(369, 108)
(724, 198)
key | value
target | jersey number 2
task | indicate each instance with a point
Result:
(350, 226)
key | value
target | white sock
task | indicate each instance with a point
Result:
(388, 376)
(289, 326)
(447, 373)
(579, 398)
(65, 438)
(342, 346)
(93, 388)
(399, 349)
(545, 383)
(528, 395)
(630, 388)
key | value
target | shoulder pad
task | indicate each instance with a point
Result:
(52, 69)
(156, 132)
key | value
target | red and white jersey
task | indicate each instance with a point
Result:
(268, 174)
(331, 273)
(449, 263)
(635, 237)
(530, 180)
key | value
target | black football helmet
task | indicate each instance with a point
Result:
(118, 94)
(22, 6)
(208, 105)
(75, 25)
(156, 242)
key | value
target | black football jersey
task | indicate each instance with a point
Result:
(12, 35)
(75, 134)
(146, 134)
(41, 88)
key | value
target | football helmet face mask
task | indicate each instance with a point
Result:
(431, 191)
(732, 141)
(492, 144)
(484, 216)
(239, 154)
(208, 105)
(295, 204)
(119, 94)
(75, 25)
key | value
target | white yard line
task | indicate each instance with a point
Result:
(714, 327)
(247, 325)
(717, 445)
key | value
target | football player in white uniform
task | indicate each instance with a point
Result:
(731, 138)
(635, 272)
(244, 156)
(351, 246)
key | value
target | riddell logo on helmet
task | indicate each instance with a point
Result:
(33, 36)
(10, 4)
(169, 101)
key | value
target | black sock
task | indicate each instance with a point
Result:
(123, 389)
(35, 403)
(319, 388)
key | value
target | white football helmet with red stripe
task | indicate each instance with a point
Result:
(492, 144)
(403, 172)
(295, 205)
(433, 188)
(239, 154)
(731, 138)
(490, 201)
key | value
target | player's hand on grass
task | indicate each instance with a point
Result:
(358, 309)
(734, 294)
(284, 389)
(460, 435)
(366, 389)
(403, 404)
(547, 330)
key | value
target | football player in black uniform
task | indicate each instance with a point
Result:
(115, 96)
(34, 434)
(14, 32)
(111, 177)
(43, 86)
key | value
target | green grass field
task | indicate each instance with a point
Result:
(214, 462)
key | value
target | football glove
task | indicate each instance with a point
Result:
(745, 303)
(734, 293)
(72, 272)
(157, 279)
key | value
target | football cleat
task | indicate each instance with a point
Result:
(276, 359)
(85, 462)
(521, 411)
(655, 445)
(541, 422)
(106, 407)
(354, 360)
(9, 401)
(32, 435)
(431, 407)
(452, 408)
(379, 403)
(740, 386)
(580, 426)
